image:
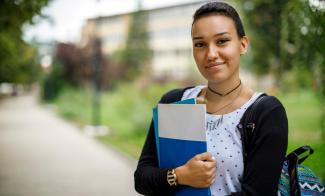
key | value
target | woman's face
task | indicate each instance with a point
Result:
(217, 48)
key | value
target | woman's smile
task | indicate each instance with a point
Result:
(215, 66)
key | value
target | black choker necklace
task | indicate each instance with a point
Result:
(222, 95)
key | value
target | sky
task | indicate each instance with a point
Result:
(68, 16)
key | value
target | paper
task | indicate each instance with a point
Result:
(182, 121)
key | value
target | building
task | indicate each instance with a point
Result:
(169, 31)
(170, 38)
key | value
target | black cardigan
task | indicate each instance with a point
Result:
(262, 165)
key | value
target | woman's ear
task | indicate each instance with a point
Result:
(243, 45)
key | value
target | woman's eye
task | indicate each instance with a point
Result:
(198, 45)
(222, 41)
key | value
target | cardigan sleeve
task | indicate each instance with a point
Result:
(267, 151)
(149, 179)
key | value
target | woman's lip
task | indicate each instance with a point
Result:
(214, 64)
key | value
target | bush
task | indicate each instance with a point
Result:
(52, 83)
(128, 110)
(297, 78)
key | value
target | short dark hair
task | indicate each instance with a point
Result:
(220, 8)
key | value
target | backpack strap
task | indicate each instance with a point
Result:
(300, 151)
(248, 123)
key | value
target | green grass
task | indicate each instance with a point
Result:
(304, 116)
(75, 105)
(303, 110)
(127, 112)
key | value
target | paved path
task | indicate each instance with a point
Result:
(42, 155)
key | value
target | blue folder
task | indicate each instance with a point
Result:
(176, 152)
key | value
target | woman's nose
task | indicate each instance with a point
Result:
(212, 53)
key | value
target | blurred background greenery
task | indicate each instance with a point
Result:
(287, 44)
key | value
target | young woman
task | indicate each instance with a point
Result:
(219, 40)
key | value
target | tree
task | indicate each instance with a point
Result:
(288, 36)
(17, 58)
(303, 41)
(72, 60)
(264, 20)
(136, 54)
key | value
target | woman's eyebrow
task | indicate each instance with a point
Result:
(218, 34)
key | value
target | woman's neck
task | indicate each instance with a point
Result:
(223, 105)
(224, 88)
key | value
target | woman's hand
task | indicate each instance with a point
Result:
(198, 172)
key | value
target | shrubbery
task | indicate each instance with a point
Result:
(52, 83)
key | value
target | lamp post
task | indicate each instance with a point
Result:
(96, 129)
(97, 61)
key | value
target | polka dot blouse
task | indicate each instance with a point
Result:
(224, 143)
